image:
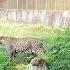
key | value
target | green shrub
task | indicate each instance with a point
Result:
(59, 47)
(4, 57)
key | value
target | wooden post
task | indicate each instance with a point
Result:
(26, 4)
(46, 5)
(17, 4)
(36, 4)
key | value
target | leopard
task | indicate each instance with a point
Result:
(37, 63)
(30, 45)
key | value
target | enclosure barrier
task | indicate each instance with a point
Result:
(52, 18)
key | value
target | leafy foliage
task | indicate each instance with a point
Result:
(60, 49)
(4, 57)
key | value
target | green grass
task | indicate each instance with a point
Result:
(57, 42)
(4, 57)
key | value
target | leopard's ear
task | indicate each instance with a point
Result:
(2, 37)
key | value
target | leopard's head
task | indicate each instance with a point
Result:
(3, 39)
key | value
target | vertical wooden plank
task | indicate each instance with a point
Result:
(60, 4)
(3, 3)
(7, 4)
(36, 4)
(17, 4)
(41, 4)
(46, 5)
(67, 4)
(12, 4)
(50, 4)
(31, 4)
(21, 4)
(26, 4)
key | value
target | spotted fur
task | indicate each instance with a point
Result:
(26, 45)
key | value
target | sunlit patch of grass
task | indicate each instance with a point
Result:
(20, 30)
(24, 30)
(20, 67)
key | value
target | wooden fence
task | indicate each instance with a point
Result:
(36, 4)
(53, 12)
